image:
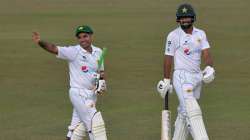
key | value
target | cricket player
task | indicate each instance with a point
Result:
(184, 47)
(86, 81)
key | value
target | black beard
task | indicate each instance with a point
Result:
(186, 26)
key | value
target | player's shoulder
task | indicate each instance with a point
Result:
(174, 33)
(200, 31)
(75, 46)
(69, 47)
(96, 49)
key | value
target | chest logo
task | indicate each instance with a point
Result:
(85, 69)
(187, 51)
(199, 40)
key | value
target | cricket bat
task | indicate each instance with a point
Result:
(101, 59)
(166, 122)
(100, 63)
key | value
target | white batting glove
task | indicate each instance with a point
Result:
(164, 86)
(208, 74)
(101, 87)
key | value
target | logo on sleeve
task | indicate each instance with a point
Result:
(85, 69)
(169, 43)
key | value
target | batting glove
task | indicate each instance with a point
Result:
(208, 74)
(164, 86)
(101, 87)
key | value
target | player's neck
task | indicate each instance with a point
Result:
(189, 30)
(88, 48)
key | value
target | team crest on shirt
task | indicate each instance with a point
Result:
(85, 69)
(199, 40)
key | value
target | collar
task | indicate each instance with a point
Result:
(85, 51)
(193, 32)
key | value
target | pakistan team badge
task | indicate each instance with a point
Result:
(184, 10)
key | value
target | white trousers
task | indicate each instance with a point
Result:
(187, 85)
(83, 101)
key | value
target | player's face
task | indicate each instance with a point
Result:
(84, 39)
(185, 20)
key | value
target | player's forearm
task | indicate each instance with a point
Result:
(207, 58)
(209, 61)
(167, 66)
(48, 47)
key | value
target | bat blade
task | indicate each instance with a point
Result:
(166, 125)
(166, 121)
(101, 59)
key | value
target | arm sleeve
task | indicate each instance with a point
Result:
(67, 53)
(170, 45)
(204, 41)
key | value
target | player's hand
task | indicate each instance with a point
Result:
(101, 87)
(164, 86)
(36, 37)
(208, 74)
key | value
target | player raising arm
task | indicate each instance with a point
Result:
(45, 45)
(86, 82)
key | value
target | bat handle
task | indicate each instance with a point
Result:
(166, 102)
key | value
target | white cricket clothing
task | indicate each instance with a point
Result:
(187, 85)
(83, 68)
(187, 77)
(186, 48)
(181, 128)
(82, 65)
(83, 101)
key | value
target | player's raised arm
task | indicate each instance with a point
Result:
(45, 45)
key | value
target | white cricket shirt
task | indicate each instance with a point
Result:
(186, 48)
(83, 65)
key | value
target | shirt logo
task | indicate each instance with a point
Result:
(187, 51)
(199, 40)
(168, 49)
(85, 69)
(84, 59)
(169, 43)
